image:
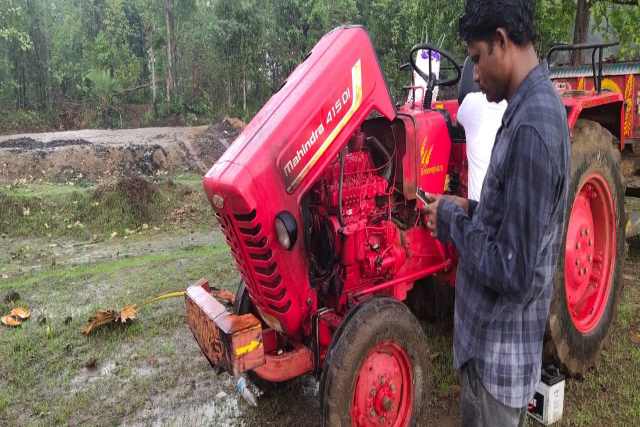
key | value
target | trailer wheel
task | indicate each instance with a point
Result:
(588, 280)
(377, 371)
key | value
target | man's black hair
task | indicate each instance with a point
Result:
(481, 18)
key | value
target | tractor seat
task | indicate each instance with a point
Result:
(467, 85)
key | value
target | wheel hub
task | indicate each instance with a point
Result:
(383, 394)
(589, 253)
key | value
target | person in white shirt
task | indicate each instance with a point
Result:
(481, 120)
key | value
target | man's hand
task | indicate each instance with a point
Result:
(431, 208)
(430, 211)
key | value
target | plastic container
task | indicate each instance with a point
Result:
(548, 401)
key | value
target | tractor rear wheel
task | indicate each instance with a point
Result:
(588, 280)
(377, 371)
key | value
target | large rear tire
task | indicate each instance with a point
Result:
(588, 280)
(377, 371)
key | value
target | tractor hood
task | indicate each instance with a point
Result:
(282, 152)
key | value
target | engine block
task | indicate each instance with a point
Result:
(367, 242)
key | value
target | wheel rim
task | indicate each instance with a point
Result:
(590, 253)
(383, 393)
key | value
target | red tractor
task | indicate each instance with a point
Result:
(317, 201)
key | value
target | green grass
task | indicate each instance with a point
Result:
(43, 379)
(86, 211)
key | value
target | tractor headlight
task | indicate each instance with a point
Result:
(286, 229)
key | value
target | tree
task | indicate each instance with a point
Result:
(583, 14)
(554, 19)
(171, 49)
(619, 22)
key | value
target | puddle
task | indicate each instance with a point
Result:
(90, 375)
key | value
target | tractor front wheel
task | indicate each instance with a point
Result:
(588, 280)
(377, 371)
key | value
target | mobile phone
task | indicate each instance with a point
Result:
(422, 196)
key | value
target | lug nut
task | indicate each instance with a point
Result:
(387, 403)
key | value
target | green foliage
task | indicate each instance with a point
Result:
(27, 120)
(619, 23)
(554, 20)
(104, 85)
(12, 25)
(230, 55)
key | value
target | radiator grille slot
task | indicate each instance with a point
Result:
(262, 256)
(254, 258)
(259, 244)
(251, 231)
(246, 217)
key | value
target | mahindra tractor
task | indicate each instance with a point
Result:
(318, 201)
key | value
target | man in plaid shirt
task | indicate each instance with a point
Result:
(507, 243)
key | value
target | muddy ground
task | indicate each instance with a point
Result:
(98, 154)
(151, 373)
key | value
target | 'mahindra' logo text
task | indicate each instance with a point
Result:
(303, 150)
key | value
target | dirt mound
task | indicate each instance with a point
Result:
(91, 155)
(134, 195)
(213, 142)
(31, 144)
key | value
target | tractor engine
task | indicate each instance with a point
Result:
(349, 232)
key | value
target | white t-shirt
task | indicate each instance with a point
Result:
(481, 120)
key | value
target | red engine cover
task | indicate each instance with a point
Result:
(280, 154)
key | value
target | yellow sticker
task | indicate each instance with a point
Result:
(254, 344)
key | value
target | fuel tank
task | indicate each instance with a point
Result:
(279, 155)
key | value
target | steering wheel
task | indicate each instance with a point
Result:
(432, 82)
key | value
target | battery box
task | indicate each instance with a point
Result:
(548, 401)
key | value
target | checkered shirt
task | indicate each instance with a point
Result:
(509, 242)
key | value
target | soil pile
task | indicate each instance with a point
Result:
(213, 142)
(137, 196)
(92, 155)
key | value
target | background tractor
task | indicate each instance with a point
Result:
(317, 201)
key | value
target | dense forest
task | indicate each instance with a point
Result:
(115, 63)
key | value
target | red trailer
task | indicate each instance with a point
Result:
(616, 79)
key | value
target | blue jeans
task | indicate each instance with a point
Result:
(479, 408)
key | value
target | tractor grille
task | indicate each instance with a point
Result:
(251, 249)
